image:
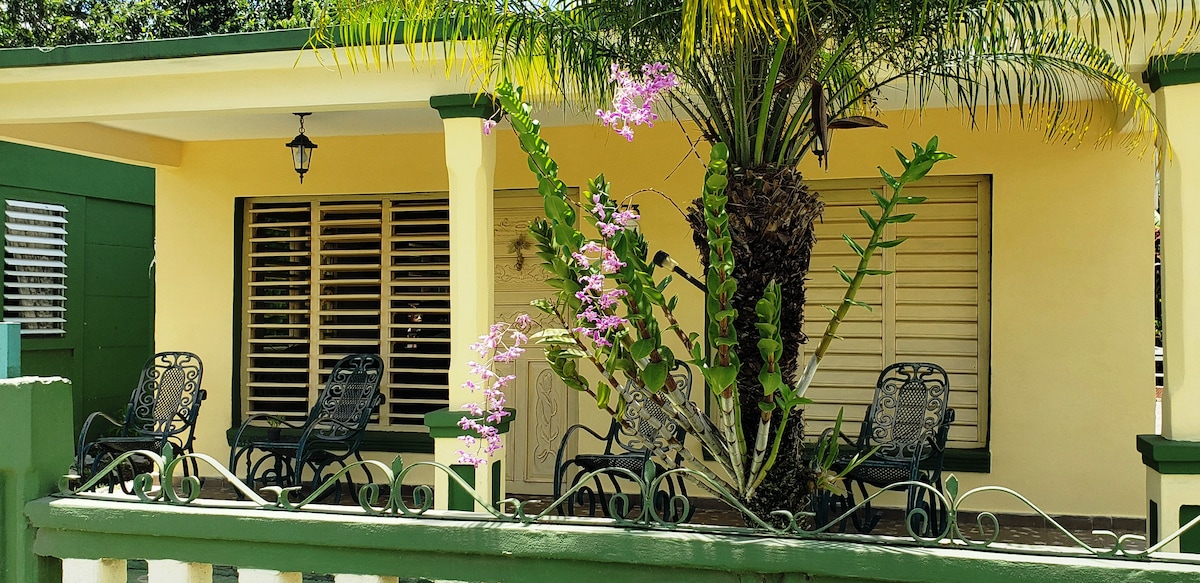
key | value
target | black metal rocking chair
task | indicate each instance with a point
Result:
(162, 409)
(908, 422)
(330, 435)
(627, 445)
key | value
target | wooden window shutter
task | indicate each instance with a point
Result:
(933, 309)
(329, 276)
(35, 267)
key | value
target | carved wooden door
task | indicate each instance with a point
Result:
(545, 407)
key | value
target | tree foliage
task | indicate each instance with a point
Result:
(48, 23)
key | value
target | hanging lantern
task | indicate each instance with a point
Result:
(302, 148)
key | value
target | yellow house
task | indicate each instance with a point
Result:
(1029, 274)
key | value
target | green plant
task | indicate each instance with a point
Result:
(609, 302)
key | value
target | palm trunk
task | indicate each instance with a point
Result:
(771, 216)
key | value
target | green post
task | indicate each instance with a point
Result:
(35, 452)
(10, 349)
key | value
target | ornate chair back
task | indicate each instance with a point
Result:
(908, 409)
(167, 399)
(349, 398)
(637, 434)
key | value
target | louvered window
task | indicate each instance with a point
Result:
(327, 276)
(35, 267)
(934, 309)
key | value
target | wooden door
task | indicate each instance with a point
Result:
(545, 406)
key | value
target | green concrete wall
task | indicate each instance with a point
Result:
(35, 451)
(508, 552)
(110, 243)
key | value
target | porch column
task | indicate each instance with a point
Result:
(1173, 458)
(471, 164)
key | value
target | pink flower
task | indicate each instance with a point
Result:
(488, 124)
(634, 99)
(502, 344)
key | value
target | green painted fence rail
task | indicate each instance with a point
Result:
(465, 550)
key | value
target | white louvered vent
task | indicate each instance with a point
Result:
(35, 267)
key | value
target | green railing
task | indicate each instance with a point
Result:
(274, 535)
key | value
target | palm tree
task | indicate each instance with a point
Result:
(771, 79)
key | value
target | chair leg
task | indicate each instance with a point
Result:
(869, 519)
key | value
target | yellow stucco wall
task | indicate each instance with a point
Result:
(1072, 325)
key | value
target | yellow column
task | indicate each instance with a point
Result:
(471, 163)
(1173, 458)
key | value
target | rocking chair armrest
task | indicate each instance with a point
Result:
(83, 434)
(937, 442)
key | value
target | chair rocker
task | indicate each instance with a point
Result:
(908, 421)
(330, 435)
(162, 409)
(629, 445)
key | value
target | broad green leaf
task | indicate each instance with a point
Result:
(654, 376)
(603, 394)
(890, 244)
(719, 377)
(766, 406)
(904, 218)
(767, 345)
(642, 348)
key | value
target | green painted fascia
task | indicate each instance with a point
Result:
(1167, 456)
(444, 423)
(385, 441)
(47, 170)
(1164, 71)
(464, 550)
(180, 48)
(173, 48)
(480, 105)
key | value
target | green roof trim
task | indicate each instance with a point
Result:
(1168, 456)
(294, 39)
(149, 50)
(1181, 69)
(480, 105)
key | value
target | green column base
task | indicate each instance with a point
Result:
(1168, 456)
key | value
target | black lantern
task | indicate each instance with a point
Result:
(302, 148)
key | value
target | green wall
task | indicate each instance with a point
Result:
(110, 243)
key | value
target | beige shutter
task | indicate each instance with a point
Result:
(35, 267)
(418, 309)
(276, 300)
(934, 309)
(329, 276)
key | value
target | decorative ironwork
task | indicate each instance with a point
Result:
(385, 499)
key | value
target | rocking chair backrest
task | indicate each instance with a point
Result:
(167, 398)
(909, 407)
(639, 435)
(350, 396)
